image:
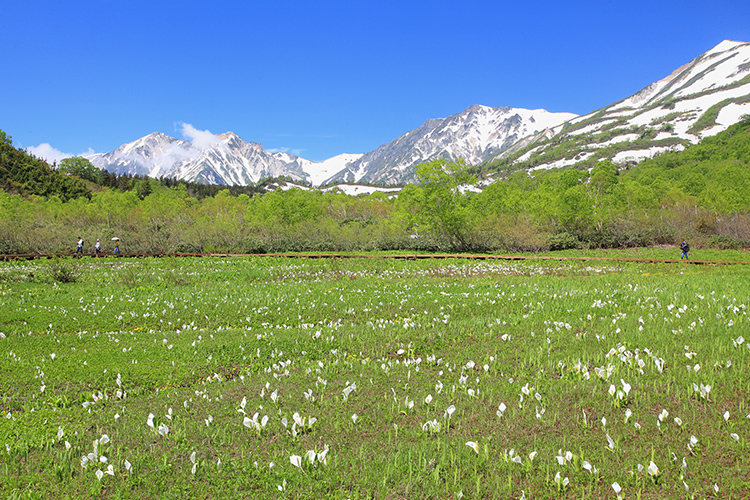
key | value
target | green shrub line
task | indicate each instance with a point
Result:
(699, 194)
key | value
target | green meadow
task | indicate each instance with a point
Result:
(263, 377)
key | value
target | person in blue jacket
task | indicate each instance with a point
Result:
(685, 249)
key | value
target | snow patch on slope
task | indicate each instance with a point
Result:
(642, 154)
(729, 115)
(357, 189)
(564, 162)
(319, 172)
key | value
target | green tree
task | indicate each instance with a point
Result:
(441, 203)
(5, 138)
(143, 188)
(80, 167)
(576, 210)
(601, 183)
(289, 207)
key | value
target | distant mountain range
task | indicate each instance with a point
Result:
(698, 99)
(478, 133)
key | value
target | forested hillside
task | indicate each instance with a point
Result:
(25, 174)
(700, 194)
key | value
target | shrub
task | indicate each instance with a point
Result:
(254, 244)
(186, 248)
(63, 271)
(599, 239)
(564, 241)
(725, 243)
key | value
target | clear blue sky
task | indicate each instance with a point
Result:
(320, 78)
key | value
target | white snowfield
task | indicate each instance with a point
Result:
(729, 115)
(319, 172)
(565, 162)
(357, 189)
(348, 189)
(642, 154)
(590, 128)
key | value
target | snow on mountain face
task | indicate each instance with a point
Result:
(319, 172)
(716, 68)
(478, 133)
(228, 160)
(153, 155)
(232, 161)
(699, 99)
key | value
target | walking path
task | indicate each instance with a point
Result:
(9, 257)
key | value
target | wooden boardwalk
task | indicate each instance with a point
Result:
(12, 257)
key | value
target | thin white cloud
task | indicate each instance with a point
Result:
(202, 139)
(291, 151)
(46, 152)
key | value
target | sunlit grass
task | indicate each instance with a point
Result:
(376, 378)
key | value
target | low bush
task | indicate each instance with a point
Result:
(564, 241)
(725, 243)
(63, 271)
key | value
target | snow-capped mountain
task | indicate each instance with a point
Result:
(228, 160)
(699, 99)
(232, 161)
(153, 155)
(476, 134)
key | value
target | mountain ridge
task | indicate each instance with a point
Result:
(698, 99)
(477, 133)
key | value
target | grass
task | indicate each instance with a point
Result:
(198, 347)
(660, 253)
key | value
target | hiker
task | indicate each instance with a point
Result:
(98, 247)
(685, 249)
(117, 247)
(79, 249)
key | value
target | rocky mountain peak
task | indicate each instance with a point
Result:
(700, 98)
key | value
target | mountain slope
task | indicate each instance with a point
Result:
(232, 161)
(697, 100)
(23, 173)
(228, 160)
(319, 172)
(475, 134)
(478, 133)
(153, 155)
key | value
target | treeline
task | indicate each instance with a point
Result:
(700, 194)
(24, 174)
(82, 169)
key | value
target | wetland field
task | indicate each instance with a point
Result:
(264, 377)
